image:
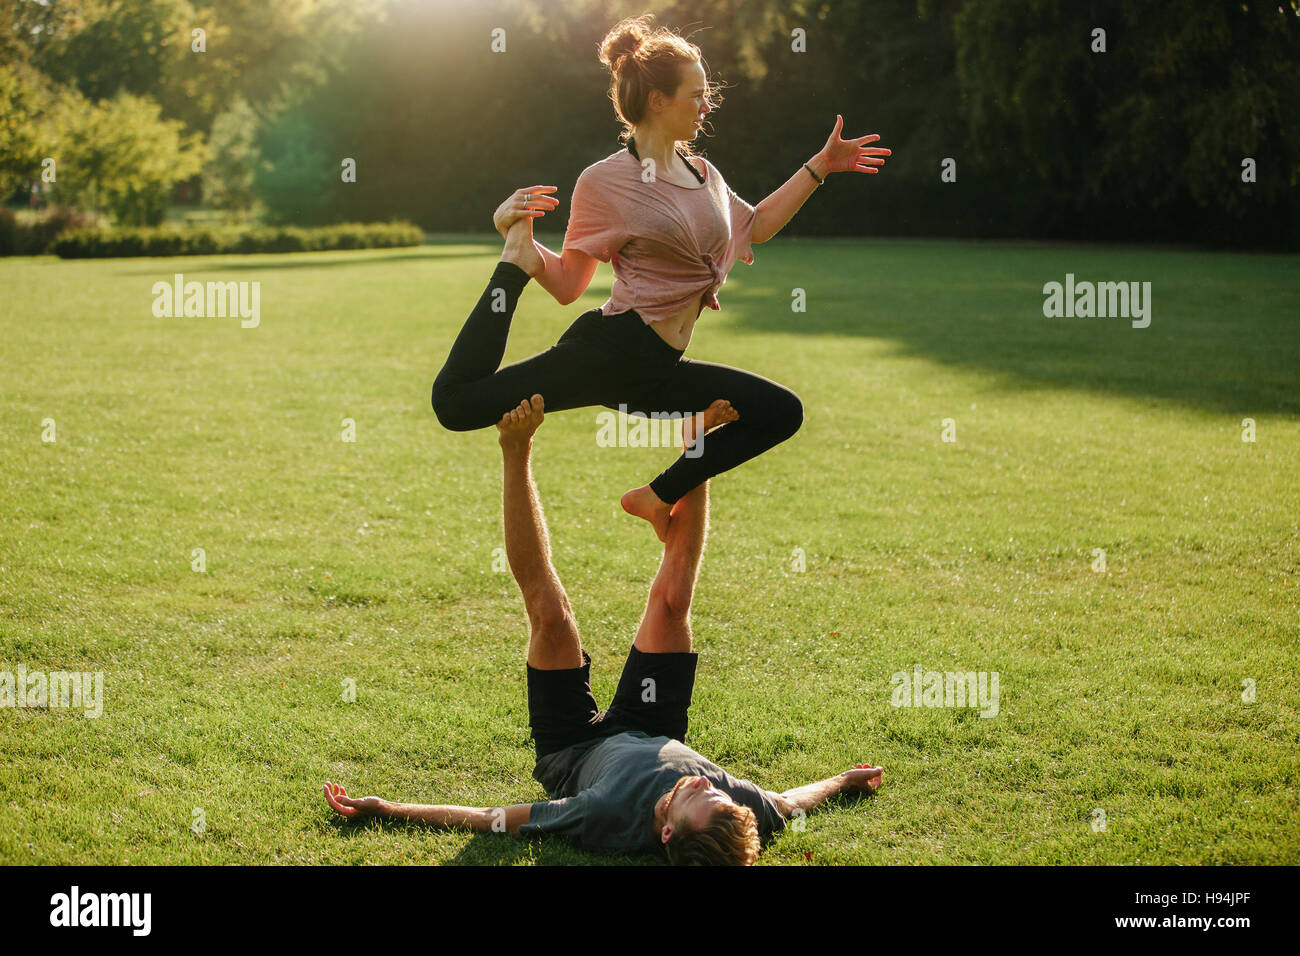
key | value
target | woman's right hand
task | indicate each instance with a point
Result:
(516, 207)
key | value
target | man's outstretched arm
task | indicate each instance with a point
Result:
(481, 819)
(811, 795)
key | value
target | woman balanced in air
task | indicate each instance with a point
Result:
(672, 228)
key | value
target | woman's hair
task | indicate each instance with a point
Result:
(642, 58)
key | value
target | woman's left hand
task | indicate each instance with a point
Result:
(848, 155)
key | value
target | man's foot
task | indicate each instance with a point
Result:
(518, 424)
(644, 503)
(520, 249)
(719, 413)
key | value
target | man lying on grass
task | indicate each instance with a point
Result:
(621, 780)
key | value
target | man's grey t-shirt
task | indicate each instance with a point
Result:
(604, 791)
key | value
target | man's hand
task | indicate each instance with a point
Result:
(863, 777)
(354, 808)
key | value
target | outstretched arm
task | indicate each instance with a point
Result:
(481, 819)
(811, 795)
(838, 155)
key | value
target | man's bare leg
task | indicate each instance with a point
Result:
(666, 624)
(553, 642)
(643, 502)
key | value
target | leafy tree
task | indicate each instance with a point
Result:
(268, 53)
(229, 176)
(121, 155)
(104, 47)
(1148, 136)
(28, 26)
(23, 99)
(294, 179)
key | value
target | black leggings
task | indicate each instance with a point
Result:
(608, 360)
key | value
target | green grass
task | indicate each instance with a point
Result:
(326, 560)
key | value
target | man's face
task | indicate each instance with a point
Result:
(694, 804)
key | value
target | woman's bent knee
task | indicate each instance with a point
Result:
(450, 412)
(786, 413)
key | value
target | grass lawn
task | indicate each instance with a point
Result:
(1120, 691)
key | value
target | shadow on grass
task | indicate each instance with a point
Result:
(274, 262)
(498, 849)
(1224, 334)
(494, 849)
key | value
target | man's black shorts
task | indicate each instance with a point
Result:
(653, 696)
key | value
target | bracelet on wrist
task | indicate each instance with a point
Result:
(819, 179)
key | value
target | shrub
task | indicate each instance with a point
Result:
(18, 238)
(167, 241)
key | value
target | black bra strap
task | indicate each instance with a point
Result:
(631, 148)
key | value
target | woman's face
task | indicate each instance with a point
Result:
(683, 114)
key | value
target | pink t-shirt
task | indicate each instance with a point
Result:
(671, 246)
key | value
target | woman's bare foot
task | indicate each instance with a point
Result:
(518, 424)
(719, 413)
(520, 249)
(644, 503)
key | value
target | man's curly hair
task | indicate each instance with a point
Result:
(731, 839)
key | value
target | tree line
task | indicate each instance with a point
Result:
(1008, 118)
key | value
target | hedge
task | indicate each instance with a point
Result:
(34, 237)
(166, 241)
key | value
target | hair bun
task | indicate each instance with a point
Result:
(622, 42)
